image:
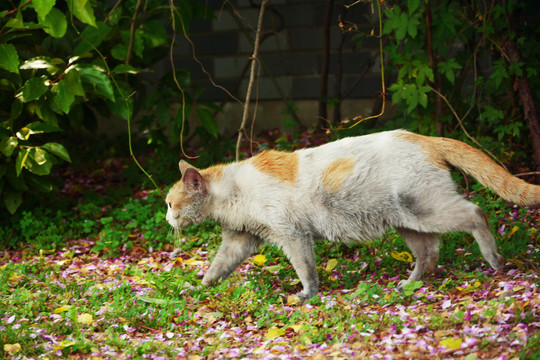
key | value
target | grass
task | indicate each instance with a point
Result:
(100, 281)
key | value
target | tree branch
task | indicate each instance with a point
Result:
(251, 78)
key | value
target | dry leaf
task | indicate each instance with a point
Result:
(61, 309)
(404, 256)
(452, 343)
(331, 264)
(259, 260)
(85, 319)
(274, 333)
(12, 348)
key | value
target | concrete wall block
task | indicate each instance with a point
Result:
(215, 43)
(295, 64)
(311, 38)
(369, 87)
(267, 88)
(273, 43)
(229, 67)
(297, 15)
(310, 87)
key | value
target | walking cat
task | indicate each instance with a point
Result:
(353, 189)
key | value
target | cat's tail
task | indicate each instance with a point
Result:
(477, 164)
(444, 151)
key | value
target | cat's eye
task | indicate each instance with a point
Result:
(170, 205)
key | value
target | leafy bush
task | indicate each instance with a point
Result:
(457, 51)
(64, 64)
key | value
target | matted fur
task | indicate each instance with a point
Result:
(349, 190)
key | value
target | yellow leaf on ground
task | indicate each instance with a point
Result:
(331, 264)
(12, 348)
(404, 256)
(16, 278)
(274, 333)
(296, 328)
(259, 260)
(64, 344)
(193, 262)
(85, 319)
(452, 343)
(514, 229)
(293, 300)
(61, 309)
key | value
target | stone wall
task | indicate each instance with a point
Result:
(291, 58)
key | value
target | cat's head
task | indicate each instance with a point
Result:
(186, 199)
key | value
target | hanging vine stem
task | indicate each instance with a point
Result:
(173, 10)
(251, 79)
(359, 119)
(126, 100)
(171, 7)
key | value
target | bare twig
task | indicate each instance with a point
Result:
(132, 31)
(112, 10)
(251, 78)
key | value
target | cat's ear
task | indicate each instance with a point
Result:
(193, 180)
(183, 166)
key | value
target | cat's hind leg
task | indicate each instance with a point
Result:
(300, 252)
(452, 213)
(234, 249)
(425, 248)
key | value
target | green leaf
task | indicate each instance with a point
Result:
(413, 5)
(38, 62)
(91, 38)
(154, 34)
(39, 127)
(8, 144)
(55, 23)
(119, 52)
(97, 82)
(40, 183)
(39, 162)
(45, 113)
(12, 199)
(9, 59)
(122, 106)
(208, 121)
(33, 89)
(43, 7)
(22, 156)
(58, 150)
(162, 114)
(124, 69)
(16, 22)
(82, 9)
(74, 82)
(63, 98)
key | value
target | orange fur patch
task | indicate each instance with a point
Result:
(428, 148)
(278, 164)
(213, 173)
(335, 173)
(177, 196)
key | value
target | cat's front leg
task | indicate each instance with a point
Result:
(234, 249)
(299, 250)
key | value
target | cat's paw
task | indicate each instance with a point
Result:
(305, 296)
(401, 285)
(497, 262)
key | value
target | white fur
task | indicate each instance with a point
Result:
(393, 184)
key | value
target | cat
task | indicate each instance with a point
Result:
(352, 189)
